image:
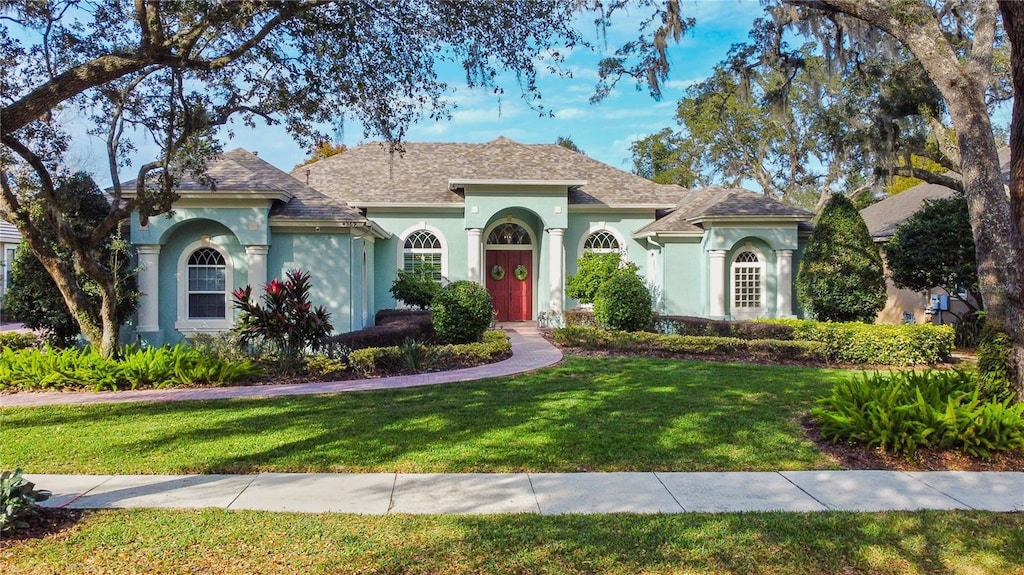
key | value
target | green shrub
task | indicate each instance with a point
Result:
(840, 276)
(905, 411)
(462, 312)
(393, 359)
(683, 325)
(994, 365)
(623, 302)
(581, 317)
(592, 271)
(16, 340)
(157, 367)
(651, 343)
(877, 344)
(17, 499)
(324, 366)
(416, 288)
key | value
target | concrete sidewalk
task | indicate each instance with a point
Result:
(545, 493)
(529, 351)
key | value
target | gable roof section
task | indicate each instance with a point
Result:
(426, 173)
(706, 204)
(883, 217)
(239, 172)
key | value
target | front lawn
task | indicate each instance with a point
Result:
(217, 541)
(600, 414)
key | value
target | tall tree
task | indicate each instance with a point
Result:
(34, 300)
(322, 151)
(667, 158)
(179, 72)
(955, 43)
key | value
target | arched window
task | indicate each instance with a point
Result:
(509, 234)
(747, 285)
(601, 242)
(423, 250)
(207, 285)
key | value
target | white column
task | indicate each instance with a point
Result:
(717, 284)
(556, 271)
(257, 260)
(473, 255)
(784, 283)
(149, 287)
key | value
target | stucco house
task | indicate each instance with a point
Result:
(513, 217)
(9, 240)
(882, 218)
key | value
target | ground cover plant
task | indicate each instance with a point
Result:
(34, 369)
(904, 411)
(217, 541)
(601, 414)
(413, 356)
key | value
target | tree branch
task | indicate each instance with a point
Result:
(950, 181)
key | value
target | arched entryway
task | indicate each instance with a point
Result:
(510, 270)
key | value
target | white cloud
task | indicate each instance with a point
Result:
(572, 114)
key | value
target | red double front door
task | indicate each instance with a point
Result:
(512, 296)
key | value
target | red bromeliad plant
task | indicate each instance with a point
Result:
(286, 320)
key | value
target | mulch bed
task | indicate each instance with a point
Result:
(42, 522)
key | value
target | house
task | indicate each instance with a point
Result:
(882, 218)
(513, 217)
(9, 240)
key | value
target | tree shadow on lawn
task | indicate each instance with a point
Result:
(609, 414)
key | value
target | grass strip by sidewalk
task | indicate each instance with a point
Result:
(230, 542)
(602, 414)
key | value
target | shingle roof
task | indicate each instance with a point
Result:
(241, 171)
(882, 217)
(420, 173)
(720, 202)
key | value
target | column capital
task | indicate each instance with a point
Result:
(556, 231)
(148, 248)
(718, 253)
(474, 231)
(784, 253)
(257, 250)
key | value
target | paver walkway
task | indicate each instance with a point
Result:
(529, 351)
(546, 493)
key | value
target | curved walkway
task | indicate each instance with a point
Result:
(529, 351)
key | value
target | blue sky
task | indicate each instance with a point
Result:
(604, 131)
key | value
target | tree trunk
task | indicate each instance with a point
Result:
(1013, 23)
(963, 82)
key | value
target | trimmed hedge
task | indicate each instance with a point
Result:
(684, 325)
(874, 344)
(381, 361)
(393, 327)
(18, 340)
(158, 367)
(645, 342)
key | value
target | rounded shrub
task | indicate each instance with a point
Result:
(462, 312)
(623, 302)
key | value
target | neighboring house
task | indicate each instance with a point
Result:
(512, 217)
(9, 240)
(903, 305)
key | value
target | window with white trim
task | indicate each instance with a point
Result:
(747, 282)
(207, 285)
(509, 234)
(422, 250)
(602, 242)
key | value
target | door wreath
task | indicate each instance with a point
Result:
(520, 272)
(497, 273)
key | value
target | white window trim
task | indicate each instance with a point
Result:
(422, 227)
(603, 227)
(183, 323)
(762, 263)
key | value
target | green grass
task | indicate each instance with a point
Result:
(607, 414)
(217, 541)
